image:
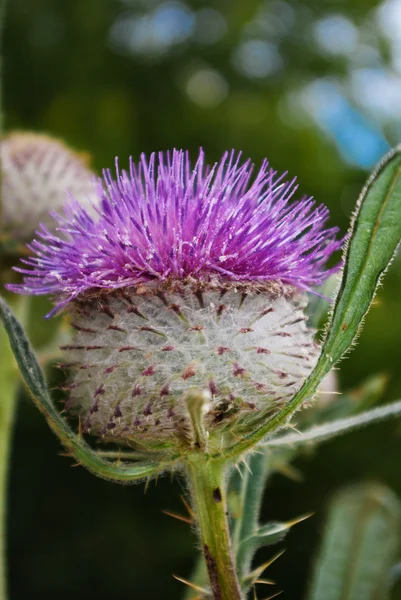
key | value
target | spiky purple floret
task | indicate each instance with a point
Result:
(167, 220)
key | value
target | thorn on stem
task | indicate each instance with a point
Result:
(193, 586)
(178, 517)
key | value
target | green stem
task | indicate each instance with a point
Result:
(9, 385)
(248, 485)
(208, 487)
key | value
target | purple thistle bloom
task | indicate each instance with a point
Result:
(205, 270)
(167, 221)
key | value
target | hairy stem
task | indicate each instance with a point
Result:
(8, 400)
(208, 487)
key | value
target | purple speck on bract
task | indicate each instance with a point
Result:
(168, 220)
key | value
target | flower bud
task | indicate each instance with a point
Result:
(38, 173)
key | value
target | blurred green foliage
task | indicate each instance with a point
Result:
(360, 545)
(313, 86)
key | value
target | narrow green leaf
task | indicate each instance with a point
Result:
(249, 485)
(74, 444)
(266, 535)
(30, 369)
(321, 433)
(359, 547)
(374, 238)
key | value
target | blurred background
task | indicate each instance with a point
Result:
(315, 87)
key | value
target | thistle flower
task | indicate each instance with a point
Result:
(189, 282)
(37, 173)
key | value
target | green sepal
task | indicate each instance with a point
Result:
(360, 546)
(73, 443)
(373, 240)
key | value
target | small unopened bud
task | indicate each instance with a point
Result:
(38, 173)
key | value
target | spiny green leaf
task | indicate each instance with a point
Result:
(374, 238)
(249, 486)
(266, 535)
(74, 444)
(259, 570)
(359, 547)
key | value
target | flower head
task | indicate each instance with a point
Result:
(165, 220)
(37, 173)
(188, 282)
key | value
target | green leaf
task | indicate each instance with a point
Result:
(249, 486)
(74, 444)
(268, 534)
(374, 238)
(321, 433)
(359, 547)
